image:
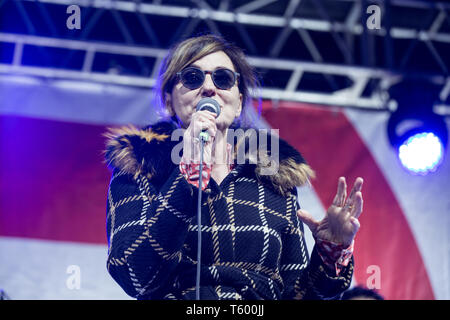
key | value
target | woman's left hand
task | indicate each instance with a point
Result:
(341, 220)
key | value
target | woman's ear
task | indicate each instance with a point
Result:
(239, 109)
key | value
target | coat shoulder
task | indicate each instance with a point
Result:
(293, 170)
(278, 164)
(139, 151)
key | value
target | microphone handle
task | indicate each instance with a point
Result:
(204, 136)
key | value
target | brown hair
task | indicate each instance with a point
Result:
(192, 49)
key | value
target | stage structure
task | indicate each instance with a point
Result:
(343, 53)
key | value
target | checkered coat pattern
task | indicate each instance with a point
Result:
(252, 241)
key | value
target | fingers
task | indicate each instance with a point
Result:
(203, 120)
(341, 193)
(357, 186)
(307, 219)
(357, 206)
(354, 203)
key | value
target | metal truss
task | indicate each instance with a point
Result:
(366, 82)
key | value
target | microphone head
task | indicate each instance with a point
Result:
(209, 104)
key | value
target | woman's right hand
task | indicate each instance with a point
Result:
(200, 120)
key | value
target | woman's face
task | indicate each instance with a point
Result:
(183, 101)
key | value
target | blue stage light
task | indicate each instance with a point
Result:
(417, 133)
(421, 153)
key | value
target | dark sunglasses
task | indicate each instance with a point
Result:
(193, 78)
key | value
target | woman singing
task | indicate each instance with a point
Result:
(252, 241)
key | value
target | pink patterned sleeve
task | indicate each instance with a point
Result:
(335, 256)
(191, 171)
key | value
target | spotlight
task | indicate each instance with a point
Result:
(421, 153)
(419, 135)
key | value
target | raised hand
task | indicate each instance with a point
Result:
(340, 224)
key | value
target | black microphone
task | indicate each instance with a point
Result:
(211, 105)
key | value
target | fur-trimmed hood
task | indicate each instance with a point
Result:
(149, 151)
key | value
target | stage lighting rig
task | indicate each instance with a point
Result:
(419, 135)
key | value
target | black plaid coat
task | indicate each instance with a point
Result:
(252, 241)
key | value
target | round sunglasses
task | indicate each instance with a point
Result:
(193, 78)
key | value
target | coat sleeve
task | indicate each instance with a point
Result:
(304, 277)
(146, 229)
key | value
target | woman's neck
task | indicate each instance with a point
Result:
(220, 150)
(220, 168)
